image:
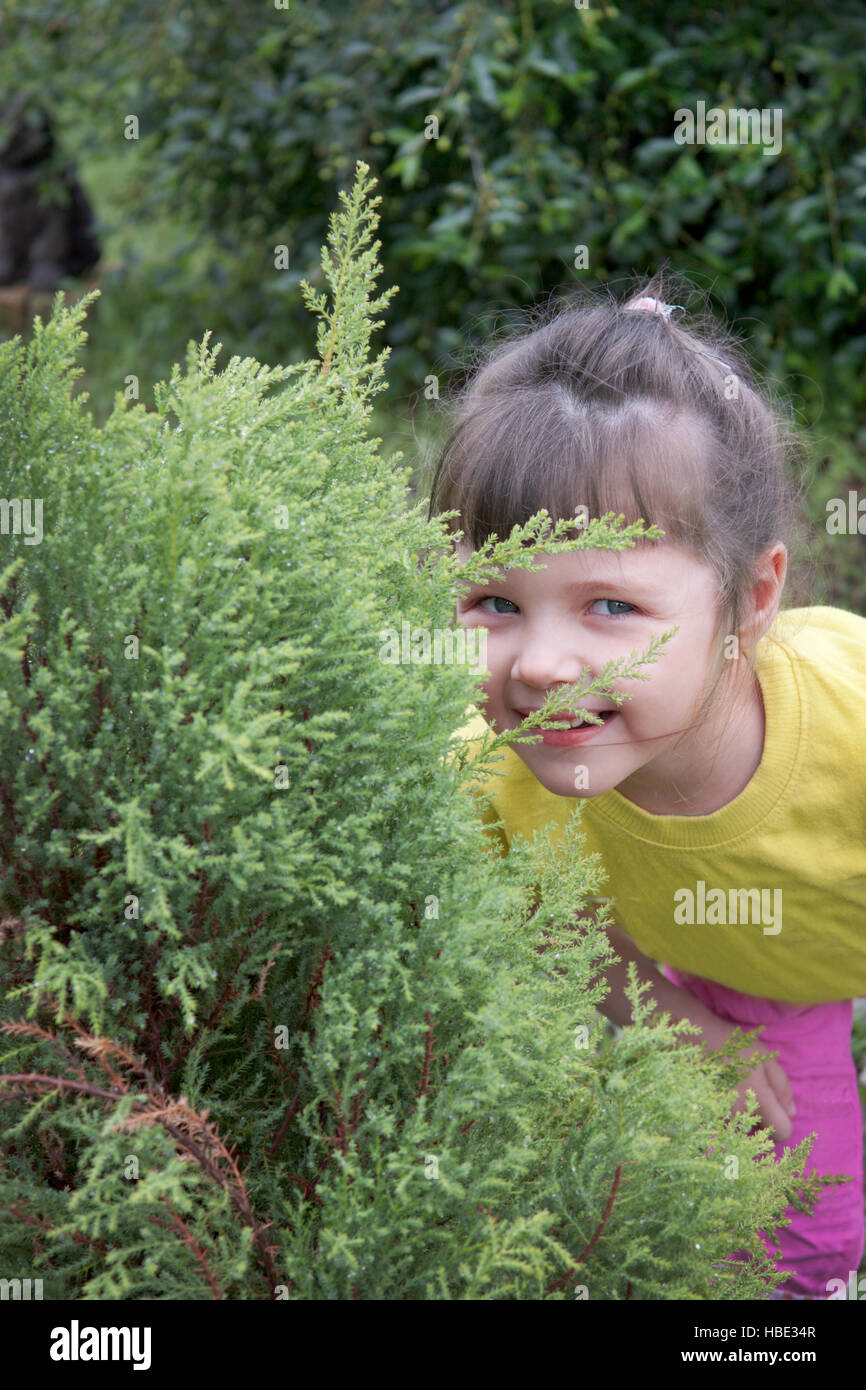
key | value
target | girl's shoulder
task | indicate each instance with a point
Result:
(824, 616)
(831, 637)
(812, 662)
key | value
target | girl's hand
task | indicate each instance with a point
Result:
(773, 1090)
(774, 1095)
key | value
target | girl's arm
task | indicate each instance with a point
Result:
(673, 1000)
(768, 1081)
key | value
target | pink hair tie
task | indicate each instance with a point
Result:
(655, 306)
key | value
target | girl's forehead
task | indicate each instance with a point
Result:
(658, 560)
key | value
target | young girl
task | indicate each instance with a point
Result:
(726, 795)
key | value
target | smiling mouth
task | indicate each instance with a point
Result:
(573, 722)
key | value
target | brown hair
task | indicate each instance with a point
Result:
(651, 415)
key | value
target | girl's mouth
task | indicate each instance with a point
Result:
(581, 733)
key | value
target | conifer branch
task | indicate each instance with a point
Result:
(177, 1223)
(78, 1237)
(37, 1080)
(202, 902)
(32, 1030)
(191, 1131)
(313, 997)
(563, 1279)
(284, 1124)
(428, 1054)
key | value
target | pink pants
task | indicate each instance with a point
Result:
(814, 1046)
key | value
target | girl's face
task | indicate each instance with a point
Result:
(588, 608)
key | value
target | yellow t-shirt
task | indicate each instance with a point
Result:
(766, 895)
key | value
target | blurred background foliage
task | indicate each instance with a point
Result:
(555, 132)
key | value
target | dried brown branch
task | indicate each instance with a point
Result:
(263, 974)
(192, 1132)
(32, 1030)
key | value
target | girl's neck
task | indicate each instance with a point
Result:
(710, 766)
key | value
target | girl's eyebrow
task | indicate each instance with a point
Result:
(631, 586)
(643, 586)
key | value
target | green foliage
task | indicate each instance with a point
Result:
(275, 1022)
(555, 131)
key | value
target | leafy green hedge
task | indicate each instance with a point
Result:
(556, 130)
(273, 1022)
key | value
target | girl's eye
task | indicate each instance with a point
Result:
(495, 598)
(618, 603)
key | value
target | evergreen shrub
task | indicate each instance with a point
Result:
(275, 1022)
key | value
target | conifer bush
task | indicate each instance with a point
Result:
(276, 1022)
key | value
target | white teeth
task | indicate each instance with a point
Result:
(579, 723)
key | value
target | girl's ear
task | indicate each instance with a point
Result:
(763, 599)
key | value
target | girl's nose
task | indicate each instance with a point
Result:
(546, 661)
